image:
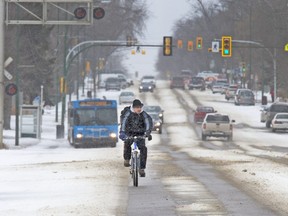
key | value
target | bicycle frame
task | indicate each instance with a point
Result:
(135, 159)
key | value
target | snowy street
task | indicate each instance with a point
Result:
(185, 175)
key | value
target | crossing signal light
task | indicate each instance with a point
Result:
(226, 46)
(180, 44)
(167, 46)
(199, 41)
(80, 13)
(98, 13)
(190, 46)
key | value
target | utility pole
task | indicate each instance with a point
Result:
(2, 34)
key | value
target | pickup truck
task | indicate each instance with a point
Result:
(217, 125)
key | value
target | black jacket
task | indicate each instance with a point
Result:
(134, 124)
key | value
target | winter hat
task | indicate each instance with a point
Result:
(137, 103)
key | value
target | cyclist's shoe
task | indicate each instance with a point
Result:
(126, 163)
(142, 172)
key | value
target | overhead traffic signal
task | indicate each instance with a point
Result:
(180, 44)
(190, 46)
(226, 46)
(167, 46)
(243, 67)
(199, 41)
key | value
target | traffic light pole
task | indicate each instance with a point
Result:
(273, 57)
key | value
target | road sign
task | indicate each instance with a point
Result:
(215, 46)
(8, 75)
(286, 47)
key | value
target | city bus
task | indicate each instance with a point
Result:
(92, 122)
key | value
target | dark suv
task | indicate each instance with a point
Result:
(113, 83)
(277, 107)
(177, 82)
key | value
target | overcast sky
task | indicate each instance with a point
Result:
(163, 15)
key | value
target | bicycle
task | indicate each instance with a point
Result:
(135, 159)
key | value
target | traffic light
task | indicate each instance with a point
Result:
(87, 67)
(226, 46)
(199, 42)
(167, 46)
(129, 41)
(180, 44)
(243, 67)
(62, 85)
(190, 46)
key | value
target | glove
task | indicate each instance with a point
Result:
(149, 137)
(148, 134)
(122, 135)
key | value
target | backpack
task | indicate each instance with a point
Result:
(123, 112)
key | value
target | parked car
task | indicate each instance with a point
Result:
(177, 82)
(197, 83)
(126, 97)
(231, 92)
(201, 112)
(155, 110)
(146, 87)
(149, 79)
(244, 97)
(113, 83)
(157, 123)
(277, 107)
(280, 122)
(217, 125)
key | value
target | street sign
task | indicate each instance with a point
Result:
(286, 48)
(8, 75)
(215, 46)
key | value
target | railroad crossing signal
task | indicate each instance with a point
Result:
(226, 46)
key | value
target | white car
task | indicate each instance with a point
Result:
(126, 97)
(280, 122)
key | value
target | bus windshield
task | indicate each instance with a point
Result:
(103, 116)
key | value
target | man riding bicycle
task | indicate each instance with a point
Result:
(135, 122)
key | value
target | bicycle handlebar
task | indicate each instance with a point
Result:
(136, 137)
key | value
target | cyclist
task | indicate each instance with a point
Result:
(135, 122)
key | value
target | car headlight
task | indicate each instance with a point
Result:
(113, 135)
(79, 136)
(160, 114)
(141, 87)
(150, 87)
(157, 124)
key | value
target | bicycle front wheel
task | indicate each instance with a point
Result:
(135, 170)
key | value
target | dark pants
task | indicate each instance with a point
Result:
(143, 151)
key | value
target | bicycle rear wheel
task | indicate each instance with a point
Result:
(135, 170)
